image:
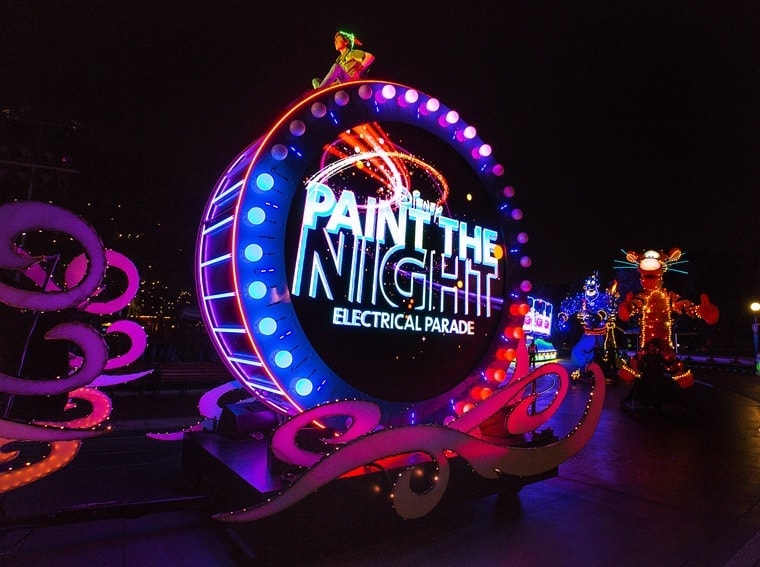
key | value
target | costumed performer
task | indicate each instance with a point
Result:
(596, 311)
(654, 307)
(351, 63)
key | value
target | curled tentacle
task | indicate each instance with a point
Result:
(410, 504)
(209, 405)
(520, 420)
(20, 217)
(77, 268)
(487, 459)
(138, 341)
(22, 472)
(100, 411)
(29, 432)
(364, 418)
(95, 356)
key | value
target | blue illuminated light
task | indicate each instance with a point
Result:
(318, 110)
(283, 359)
(279, 152)
(257, 290)
(267, 326)
(297, 128)
(303, 387)
(265, 181)
(342, 98)
(253, 252)
(256, 215)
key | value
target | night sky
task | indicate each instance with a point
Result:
(622, 125)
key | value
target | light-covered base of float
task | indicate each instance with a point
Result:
(315, 471)
(355, 507)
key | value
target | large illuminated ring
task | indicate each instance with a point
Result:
(241, 267)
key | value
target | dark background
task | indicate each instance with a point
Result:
(622, 125)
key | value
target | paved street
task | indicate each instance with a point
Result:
(677, 487)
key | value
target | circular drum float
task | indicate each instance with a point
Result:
(365, 247)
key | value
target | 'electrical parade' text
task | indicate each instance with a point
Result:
(402, 255)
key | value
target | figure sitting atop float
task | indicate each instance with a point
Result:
(596, 310)
(351, 63)
(653, 307)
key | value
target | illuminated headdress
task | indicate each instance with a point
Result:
(352, 39)
(591, 285)
(652, 261)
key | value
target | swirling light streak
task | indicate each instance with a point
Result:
(364, 139)
(395, 184)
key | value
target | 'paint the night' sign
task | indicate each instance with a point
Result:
(369, 255)
(398, 254)
(382, 256)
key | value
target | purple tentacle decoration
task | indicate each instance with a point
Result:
(363, 443)
(23, 217)
(38, 287)
(95, 356)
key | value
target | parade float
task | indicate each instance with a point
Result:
(362, 272)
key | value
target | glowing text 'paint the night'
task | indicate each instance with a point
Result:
(403, 254)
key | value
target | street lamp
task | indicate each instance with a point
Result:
(755, 307)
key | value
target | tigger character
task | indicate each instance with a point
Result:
(654, 307)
